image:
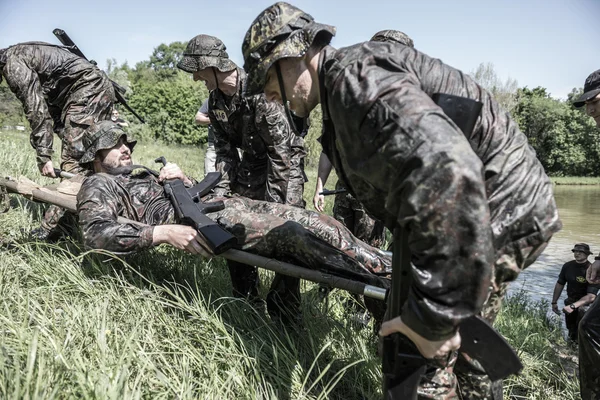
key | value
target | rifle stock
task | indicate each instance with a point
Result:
(66, 41)
(402, 370)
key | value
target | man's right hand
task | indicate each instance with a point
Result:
(430, 349)
(182, 237)
(555, 309)
(48, 170)
(593, 273)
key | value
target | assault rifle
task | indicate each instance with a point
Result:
(190, 210)
(72, 47)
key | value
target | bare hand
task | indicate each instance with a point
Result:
(172, 171)
(319, 201)
(428, 348)
(593, 273)
(567, 309)
(48, 170)
(555, 309)
(182, 237)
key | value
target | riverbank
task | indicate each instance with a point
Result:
(160, 325)
(575, 180)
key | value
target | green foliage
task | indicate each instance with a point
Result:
(313, 147)
(160, 324)
(11, 110)
(564, 138)
(169, 106)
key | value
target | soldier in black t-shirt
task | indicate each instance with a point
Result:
(579, 292)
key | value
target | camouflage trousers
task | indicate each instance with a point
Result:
(283, 299)
(352, 214)
(301, 237)
(589, 353)
(78, 118)
(463, 377)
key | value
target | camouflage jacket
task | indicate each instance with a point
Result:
(273, 156)
(465, 201)
(48, 79)
(273, 230)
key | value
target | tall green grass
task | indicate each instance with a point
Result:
(160, 324)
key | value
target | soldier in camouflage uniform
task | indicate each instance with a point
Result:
(272, 230)
(346, 208)
(61, 93)
(272, 164)
(478, 207)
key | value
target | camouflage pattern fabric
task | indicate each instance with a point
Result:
(101, 136)
(393, 36)
(473, 178)
(280, 31)
(490, 184)
(205, 51)
(273, 230)
(589, 352)
(56, 86)
(272, 164)
(271, 167)
(353, 215)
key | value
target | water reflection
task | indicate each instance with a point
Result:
(579, 208)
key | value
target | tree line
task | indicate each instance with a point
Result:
(565, 139)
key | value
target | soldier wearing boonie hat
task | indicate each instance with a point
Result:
(102, 136)
(272, 165)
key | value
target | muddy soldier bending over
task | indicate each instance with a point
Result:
(61, 93)
(477, 206)
(272, 230)
(271, 167)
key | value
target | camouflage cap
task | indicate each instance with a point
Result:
(391, 35)
(205, 51)
(280, 31)
(100, 136)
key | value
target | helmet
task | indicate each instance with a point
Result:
(205, 51)
(280, 31)
(100, 136)
(390, 35)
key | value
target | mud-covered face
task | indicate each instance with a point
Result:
(592, 108)
(297, 83)
(117, 156)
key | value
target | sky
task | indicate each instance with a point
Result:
(550, 43)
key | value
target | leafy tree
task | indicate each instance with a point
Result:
(505, 92)
(164, 58)
(564, 138)
(169, 106)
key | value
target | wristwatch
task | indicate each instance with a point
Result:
(573, 306)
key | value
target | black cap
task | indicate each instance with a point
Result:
(582, 247)
(590, 89)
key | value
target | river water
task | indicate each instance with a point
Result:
(579, 209)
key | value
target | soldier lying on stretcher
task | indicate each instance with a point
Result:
(119, 188)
